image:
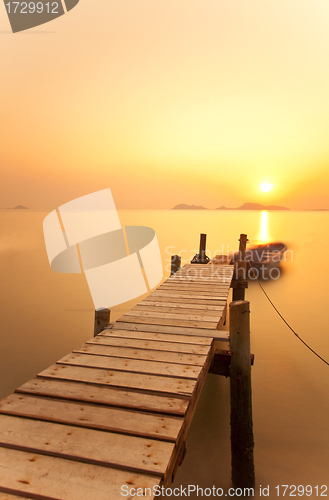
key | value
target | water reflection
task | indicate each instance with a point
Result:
(263, 235)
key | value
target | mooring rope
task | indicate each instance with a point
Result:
(286, 322)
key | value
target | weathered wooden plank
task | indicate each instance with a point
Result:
(218, 302)
(206, 266)
(180, 316)
(207, 279)
(93, 416)
(86, 445)
(152, 383)
(175, 309)
(90, 393)
(180, 305)
(183, 294)
(167, 321)
(162, 337)
(131, 365)
(198, 389)
(143, 354)
(152, 345)
(194, 288)
(60, 479)
(200, 273)
(204, 279)
(207, 333)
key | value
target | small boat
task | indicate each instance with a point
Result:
(265, 256)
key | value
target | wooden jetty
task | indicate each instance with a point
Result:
(114, 414)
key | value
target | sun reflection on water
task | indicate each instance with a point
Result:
(264, 234)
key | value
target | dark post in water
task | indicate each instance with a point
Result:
(202, 249)
(242, 438)
(240, 269)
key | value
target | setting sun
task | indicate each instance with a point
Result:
(265, 187)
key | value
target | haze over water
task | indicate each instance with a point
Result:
(44, 315)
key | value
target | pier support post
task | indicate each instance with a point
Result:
(242, 246)
(202, 248)
(176, 262)
(242, 439)
(102, 319)
(240, 268)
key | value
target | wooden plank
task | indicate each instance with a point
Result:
(152, 345)
(200, 288)
(189, 295)
(131, 365)
(162, 337)
(222, 320)
(86, 445)
(60, 479)
(180, 305)
(218, 302)
(167, 321)
(84, 392)
(216, 273)
(152, 383)
(208, 279)
(176, 309)
(207, 333)
(93, 416)
(137, 311)
(198, 389)
(213, 270)
(105, 349)
(206, 266)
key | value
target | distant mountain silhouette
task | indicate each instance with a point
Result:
(255, 206)
(182, 206)
(245, 206)
(20, 207)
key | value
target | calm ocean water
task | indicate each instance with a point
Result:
(44, 315)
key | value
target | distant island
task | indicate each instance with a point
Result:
(255, 206)
(20, 207)
(245, 206)
(182, 206)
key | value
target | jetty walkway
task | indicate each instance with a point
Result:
(113, 416)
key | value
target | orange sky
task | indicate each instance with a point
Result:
(167, 102)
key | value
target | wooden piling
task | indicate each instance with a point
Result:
(242, 439)
(242, 246)
(176, 262)
(240, 270)
(102, 319)
(240, 276)
(202, 248)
